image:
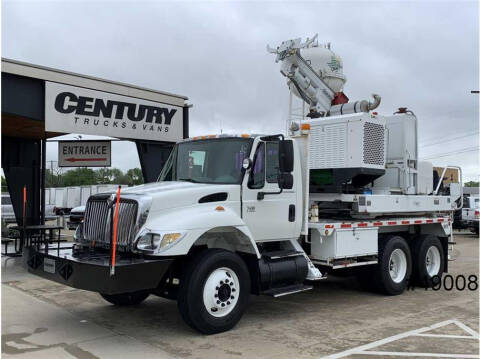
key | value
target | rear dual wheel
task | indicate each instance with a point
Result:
(399, 267)
(392, 273)
(394, 266)
(429, 260)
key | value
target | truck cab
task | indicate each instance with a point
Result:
(242, 174)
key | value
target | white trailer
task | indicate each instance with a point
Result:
(73, 197)
(85, 192)
(234, 215)
(60, 199)
(66, 198)
(100, 188)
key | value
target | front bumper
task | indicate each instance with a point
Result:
(72, 225)
(91, 271)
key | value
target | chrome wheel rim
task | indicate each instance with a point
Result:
(432, 261)
(397, 265)
(221, 291)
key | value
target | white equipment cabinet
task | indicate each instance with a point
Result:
(349, 141)
(344, 243)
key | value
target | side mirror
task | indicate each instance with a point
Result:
(285, 180)
(285, 156)
(247, 163)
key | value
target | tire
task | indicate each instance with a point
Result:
(133, 298)
(393, 252)
(214, 291)
(428, 260)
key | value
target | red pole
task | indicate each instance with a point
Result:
(24, 205)
(115, 224)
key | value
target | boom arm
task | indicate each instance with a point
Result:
(308, 83)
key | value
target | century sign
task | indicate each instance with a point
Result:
(84, 153)
(71, 109)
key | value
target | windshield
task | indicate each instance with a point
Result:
(207, 161)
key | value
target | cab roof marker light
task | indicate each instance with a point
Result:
(305, 128)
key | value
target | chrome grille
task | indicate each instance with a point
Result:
(97, 223)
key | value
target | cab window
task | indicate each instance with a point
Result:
(257, 174)
(272, 168)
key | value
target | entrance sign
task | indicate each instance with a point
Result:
(84, 153)
(71, 109)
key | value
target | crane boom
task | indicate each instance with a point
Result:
(308, 83)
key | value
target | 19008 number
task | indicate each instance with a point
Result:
(459, 282)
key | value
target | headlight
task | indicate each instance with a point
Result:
(148, 242)
(153, 242)
(78, 236)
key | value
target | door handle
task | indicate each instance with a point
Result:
(291, 213)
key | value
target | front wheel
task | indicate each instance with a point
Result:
(132, 298)
(214, 291)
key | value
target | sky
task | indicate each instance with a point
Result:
(422, 55)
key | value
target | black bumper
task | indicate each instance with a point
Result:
(72, 225)
(92, 271)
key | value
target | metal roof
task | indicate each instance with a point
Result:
(75, 79)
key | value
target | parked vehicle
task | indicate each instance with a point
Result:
(471, 213)
(468, 216)
(234, 215)
(8, 215)
(76, 217)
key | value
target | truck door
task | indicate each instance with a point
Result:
(274, 216)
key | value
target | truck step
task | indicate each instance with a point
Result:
(290, 289)
(281, 254)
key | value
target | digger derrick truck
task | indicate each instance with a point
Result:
(235, 215)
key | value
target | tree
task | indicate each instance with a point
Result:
(134, 176)
(472, 184)
(83, 176)
(79, 177)
(51, 179)
(110, 175)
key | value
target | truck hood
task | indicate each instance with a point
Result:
(173, 194)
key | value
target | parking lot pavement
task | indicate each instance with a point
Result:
(335, 318)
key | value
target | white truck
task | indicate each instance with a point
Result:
(234, 215)
(471, 213)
